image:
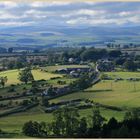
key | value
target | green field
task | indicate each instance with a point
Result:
(107, 92)
(124, 75)
(14, 123)
(125, 94)
(38, 75)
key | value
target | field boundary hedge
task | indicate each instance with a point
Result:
(18, 109)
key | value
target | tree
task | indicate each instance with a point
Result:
(36, 51)
(51, 91)
(130, 65)
(82, 130)
(71, 117)
(96, 124)
(115, 53)
(65, 122)
(10, 50)
(19, 64)
(25, 75)
(25, 102)
(58, 123)
(45, 101)
(119, 61)
(133, 114)
(35, 129)
(97, 119)
(3, 81)
(109, 128)
(123, 132)
(83, 82)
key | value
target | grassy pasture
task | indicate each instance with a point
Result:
(18, 89)
(108, 92)
(38, 75)
(124, 93)
(54, 82)
(124, 75)
(14, 123)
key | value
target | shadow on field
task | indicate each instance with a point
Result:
(106, 90)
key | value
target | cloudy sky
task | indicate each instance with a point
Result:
(60, 13)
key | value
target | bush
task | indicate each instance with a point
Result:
(45, 102)
(11, 89)
(24, 88)
(53, 78)
(34, 129)
(12, 85)
(25, 102)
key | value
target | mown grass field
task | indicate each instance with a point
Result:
(38, 75)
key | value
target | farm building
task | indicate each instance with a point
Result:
(68, 70)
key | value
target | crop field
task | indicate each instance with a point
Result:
(12, 75)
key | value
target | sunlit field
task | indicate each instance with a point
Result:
(121, 93)
(12, 76)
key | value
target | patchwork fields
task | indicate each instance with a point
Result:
(122, 93)
(12, 75)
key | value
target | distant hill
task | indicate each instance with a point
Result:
(46, 36)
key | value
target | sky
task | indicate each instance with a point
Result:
(60, 13)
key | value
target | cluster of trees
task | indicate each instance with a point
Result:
(3, 81)
(80, 54)
(68, 123)
(87, 54)
(25, 75)
(131, 65)
(83, 54)
(15, 64)
(125, 46)
(127, 63)
(84, 81)
(21, 62)
(3, 50)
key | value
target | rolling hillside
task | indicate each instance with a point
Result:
(42, 37)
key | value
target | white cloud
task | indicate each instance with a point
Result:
(37, 14)
(104, 21)
(48, 3)
(4, 15)
(12, 23)
(124, 13)
(8, 4)
(134, 19)
(84, 12)
(90, 2)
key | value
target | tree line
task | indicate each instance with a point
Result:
(67, 123)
